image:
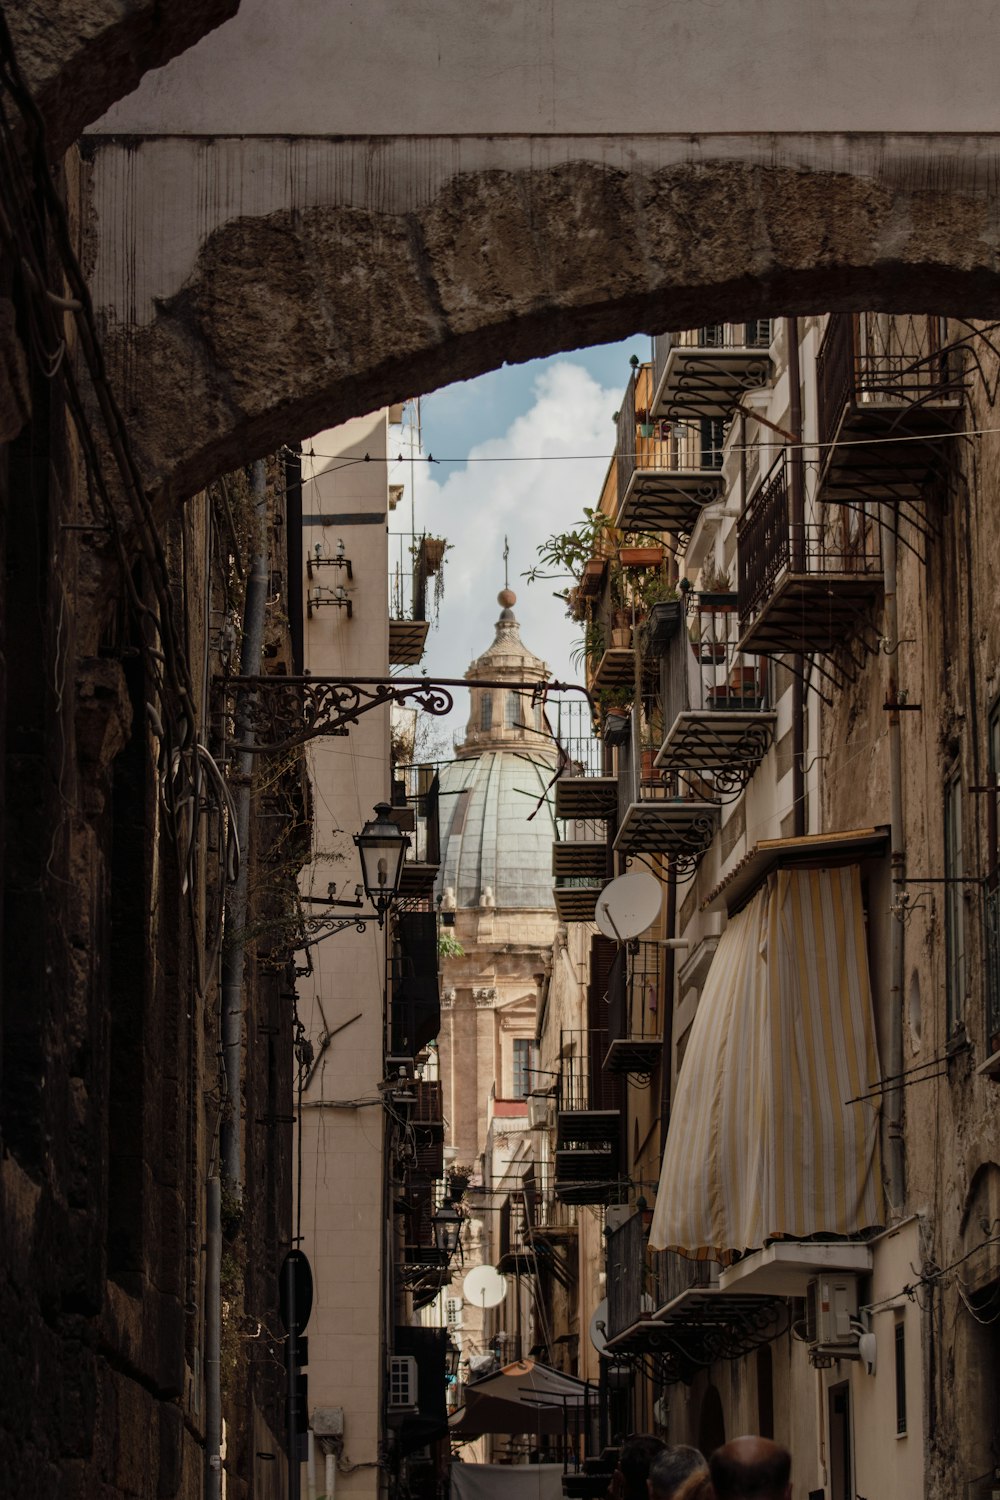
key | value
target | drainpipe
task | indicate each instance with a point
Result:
(796, 519)
(213, 1339)
(237, 899)
(893, 1099)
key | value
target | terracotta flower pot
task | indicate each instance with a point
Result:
(640, 557)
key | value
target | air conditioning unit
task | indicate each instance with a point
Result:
(832, 1326)
(402, 1382)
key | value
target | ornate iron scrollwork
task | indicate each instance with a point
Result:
(274, 714)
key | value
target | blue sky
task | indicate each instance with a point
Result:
(553, 409)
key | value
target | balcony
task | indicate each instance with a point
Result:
(415, 811)
(714, 699)
(804, 587)
(416, 1000)
(666, 476)
(704, 372)
(585, 802)
(650, 819)
(635, 1008)
(425, 1118)
(883, 375)
(662, 1303)
(415, 561)
(588, 1121)
(423, 1265)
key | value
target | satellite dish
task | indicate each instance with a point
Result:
(629, 905)
(598, 1326)
(484, 1286)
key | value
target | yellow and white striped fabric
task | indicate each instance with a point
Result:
(762, 1142)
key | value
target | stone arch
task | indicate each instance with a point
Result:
(300, 317)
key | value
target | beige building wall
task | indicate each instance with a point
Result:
(342, 1210)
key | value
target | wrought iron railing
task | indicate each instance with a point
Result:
(413, 562)
(638, 778)
(881, 359)
(702, 671)
(640, 1280)
(582, 1085)
(635, 993)
(752, 334)
(645, 444)
(846, 541)
(418, 790)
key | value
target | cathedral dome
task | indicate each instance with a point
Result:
(491, 854)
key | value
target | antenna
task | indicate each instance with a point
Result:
(484, 1287)
(599, 1326)
(629, 905)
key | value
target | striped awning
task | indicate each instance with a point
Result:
(762, 1141)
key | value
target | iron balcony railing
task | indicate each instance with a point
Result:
(415, 801)
(657, 446)
(635, 994)
(752, 334)
(702, 670)
(638, 778)
(770, 543)
(641, 1281)
(882, 360)
(582, 1085)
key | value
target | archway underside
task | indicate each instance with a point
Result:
(299, 318)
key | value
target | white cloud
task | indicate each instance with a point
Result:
(476, 506)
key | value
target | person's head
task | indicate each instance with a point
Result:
(751, 1468)
(673, 1468)
(697, 1486)
(638, 1452)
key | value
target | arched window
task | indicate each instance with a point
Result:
(486, 711)
(512, 712)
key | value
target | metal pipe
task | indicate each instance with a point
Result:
(893, 1104)
(213, 1339)
(331, 1476)
(237, 900)
(796, 520)
(311, 1466)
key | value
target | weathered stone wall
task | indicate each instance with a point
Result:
(344, 289)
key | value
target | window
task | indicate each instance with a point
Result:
(757, 333)
(453, 1312)
(524, 1067)
(713, 336)
(486, 711)
(954, 907)
(713, 435)
(900, 1355)
(512, 712)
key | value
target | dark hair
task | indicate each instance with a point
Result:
(673, 1466)
(764, 1478)
(638, 1452)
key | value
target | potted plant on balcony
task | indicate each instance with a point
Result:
(646, 555)
(644, 423)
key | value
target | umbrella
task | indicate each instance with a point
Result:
(522, 1397)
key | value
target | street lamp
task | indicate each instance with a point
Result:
(452, 1359)
(381, 845)
(447, 1222)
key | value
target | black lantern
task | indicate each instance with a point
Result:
(452, 1356)
(381, 845)
(447, 1222)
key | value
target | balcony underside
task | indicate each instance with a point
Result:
(717, 743)
(580, 859)
(856, 467)
(811, 612)
(704, 382)
(583, 1193)
(518, 1263)
(669, 500)
(591, 1126)
(616, 669)
(701, 1326)
(677, 826)
(577, 902)
(417, 879)
(633, 1054)
(406, 641)
(582, 797)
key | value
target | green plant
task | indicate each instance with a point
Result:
(591, 647)
(449, 946)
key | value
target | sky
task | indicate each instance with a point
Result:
(534, 421)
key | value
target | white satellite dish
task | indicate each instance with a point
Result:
(598, 1326)
(629, 905)
(484, 1286)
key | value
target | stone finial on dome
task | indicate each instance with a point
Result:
(506, 599)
